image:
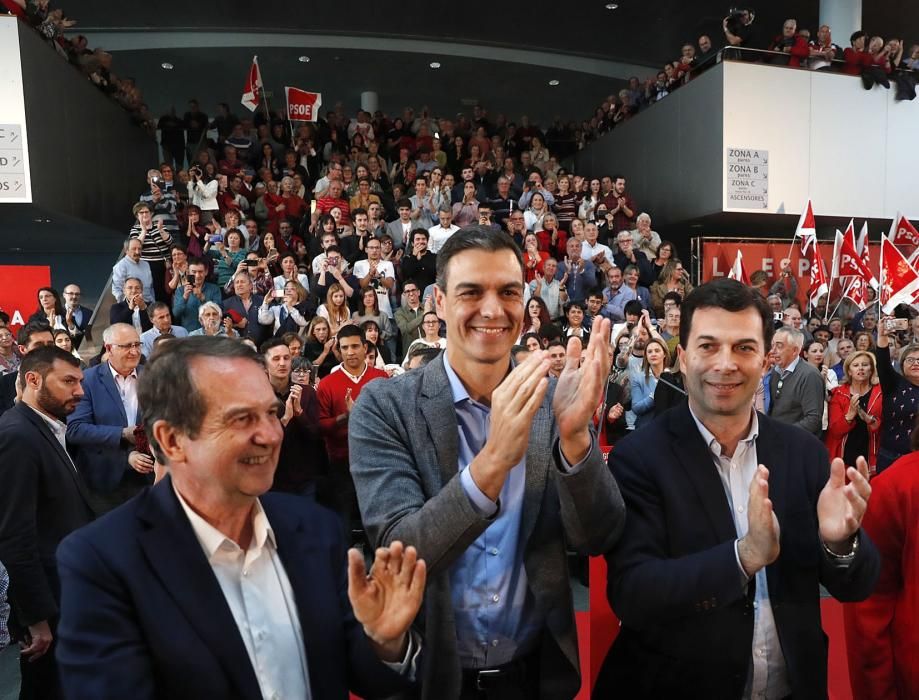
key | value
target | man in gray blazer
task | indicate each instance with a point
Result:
(491, 471)
(797, 391)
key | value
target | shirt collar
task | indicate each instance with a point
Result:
(117, 376)
(58, 429)
(211, 539)
(712, 442)
(351, 376)
(790, 368)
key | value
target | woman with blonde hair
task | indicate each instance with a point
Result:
(655, 360)
(855, 413)
(335, 309)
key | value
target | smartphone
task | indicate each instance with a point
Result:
(778, 315)
(896, 324)
(314, 372)
(216, 238)
(251, 263)
(278, 293)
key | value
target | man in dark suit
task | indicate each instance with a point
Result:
(42, 500)
(102, 427)
(716, 601)
(133, 310)
(30, 336)
(245, 304)
(797, 390)
(492, 472)
(207, 587)
(76, 317)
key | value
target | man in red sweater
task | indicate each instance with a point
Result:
(336, 395)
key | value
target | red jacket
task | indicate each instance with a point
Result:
(331, 396)
(855, 61)
(837, 429)
(882, 634)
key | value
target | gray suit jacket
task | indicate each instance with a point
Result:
(801, 400)
(394, 229)
(403, 441)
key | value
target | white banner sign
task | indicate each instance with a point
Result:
(746, 178)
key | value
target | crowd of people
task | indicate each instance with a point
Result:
(96, 64)
(342, 301)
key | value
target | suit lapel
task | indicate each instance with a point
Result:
(697, 462)
(108, 381)
(769, 454)
(539, 461)
(176, 558)
(436, 405)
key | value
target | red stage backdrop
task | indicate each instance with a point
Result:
(718, 256)
(19, 290)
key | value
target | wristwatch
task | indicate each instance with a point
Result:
(853, 548)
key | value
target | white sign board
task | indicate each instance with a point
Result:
(15, 180)
(746, 178)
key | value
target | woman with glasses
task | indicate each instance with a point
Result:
(901, 397)
(856, 412)
(430, 327)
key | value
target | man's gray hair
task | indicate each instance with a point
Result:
(444, 209)
(108, 335)
(642, 216)
(795, 337)
(208, 306)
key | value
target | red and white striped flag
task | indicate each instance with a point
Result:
(899, 281)
(857, 292)
(807, 228)
(851, 264)
(738, 271)
(819, 284)
(252, 92)
(863, 249)
(902, 232)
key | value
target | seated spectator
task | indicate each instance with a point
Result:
(364, 197)
(532, 186)
(673, 279)
(856, 412)
(410, 314)
(573, 325)
(438, 235)
(131, 265)
(536, 212)
(430, 327)
(369, 310)
(670, 329)
(374, 337)
(335, 309)
(630, 280)
(228, 255)
(466, 210)
(627, 256)
(536, 317)
(665, 251)
(50, 308)
(533, 257)
(9, 353)
(616, 295)
(401, 228)
(333, 199)
(290, 273)
(579, 275)
(551, 239)
(213, 322)
(161, 318)
(286, 314)
(644, 240)
(592, 249)
(194, 293)
(321, 347)
(656, 359)
(133, 310)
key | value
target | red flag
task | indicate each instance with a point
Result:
(857, 291)
(899, 281)
(807, 228)
(850, 262)
(861, 245)
(738, 271)
(819, 285)
(302, 106)
(902, 232)
(252, 92)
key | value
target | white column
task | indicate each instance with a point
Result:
(844, 18)
(370, 102)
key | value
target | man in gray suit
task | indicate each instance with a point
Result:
(796, 388)
(491, 471)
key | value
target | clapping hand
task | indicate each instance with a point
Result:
(842, 506)
(579, 390)
(387, 600)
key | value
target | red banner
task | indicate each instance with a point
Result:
(719, 256)
(19, 291)
(302, 106)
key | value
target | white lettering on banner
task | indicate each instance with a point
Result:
(804, 267)
(746, 179)
(16, 319)
(305, 111)
(903, 231)
(715, 271)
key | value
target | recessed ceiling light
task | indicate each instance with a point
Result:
(435, 65)
(167, 66)
(304, 59)
(612, 6)
(553, 83)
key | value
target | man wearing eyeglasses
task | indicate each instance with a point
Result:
(103, 426)
(796, 390)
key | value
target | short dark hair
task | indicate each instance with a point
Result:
(857, 35)
(404, 202)
(633, 307)
(40, 361)
(555, 344)
(274, 342)
(167, 389)
(674, 297)
(595, 292)
(360, 211)
(24, 336)
(350, 331)
(730, 295)
(198, 261)
(4, 318)
(419, 232)
(474, 238)
(156, 306)
(425, 353)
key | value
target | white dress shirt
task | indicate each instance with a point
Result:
(127, 388)
(438, 235)
(262, 602)
(769, 677)
(589, 252)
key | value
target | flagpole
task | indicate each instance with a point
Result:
(839, 303)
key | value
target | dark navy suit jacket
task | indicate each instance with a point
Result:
(143, 615)
(674, 581)
(94, 429)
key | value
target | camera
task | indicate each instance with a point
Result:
(215, 238)
(735, 18)
(896, 324)
(251, 263)
(778, 316)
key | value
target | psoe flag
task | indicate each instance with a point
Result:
(302, 106)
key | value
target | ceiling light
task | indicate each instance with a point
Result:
(611, 6)
(167, 66)
(553, 83)
(304, 59)
(435, 65)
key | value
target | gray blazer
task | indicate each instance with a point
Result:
(403, 438)
(802, 399)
